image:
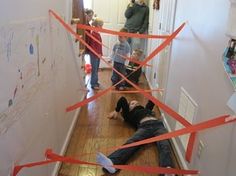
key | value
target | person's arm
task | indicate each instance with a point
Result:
(94, 44)
(129, 11)
(113, 52)
(145, 22)
(98, 46)
(123, 105)
(88, 41)
(150, 105)
(127, 50)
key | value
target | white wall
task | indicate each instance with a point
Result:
(196, 65)
(37, 119)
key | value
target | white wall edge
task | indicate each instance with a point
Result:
(179, 153)
(67, 140)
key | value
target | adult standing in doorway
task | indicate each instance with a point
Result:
(88, 18)
(137, 20)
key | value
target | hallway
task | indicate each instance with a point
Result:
(95, 133)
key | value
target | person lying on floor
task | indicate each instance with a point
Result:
(147, 125)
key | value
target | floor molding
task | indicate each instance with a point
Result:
(67, 140)
(178, 152)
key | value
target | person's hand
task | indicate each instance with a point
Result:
(109, 61)
(131, 3)
(113, 115)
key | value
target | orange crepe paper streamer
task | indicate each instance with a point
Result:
(136, 91)
(218, 121)
(126, 34)
(145, 169)
(17, 169)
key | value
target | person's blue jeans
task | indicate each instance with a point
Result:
(145, 130)
(94, 61)
(115, 78)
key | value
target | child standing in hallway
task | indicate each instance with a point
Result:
(132, 66)
(121, 48)
(94, 60)
(88, 18)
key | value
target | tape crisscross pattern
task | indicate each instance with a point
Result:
(188, 128)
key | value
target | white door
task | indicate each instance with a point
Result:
(112, 13)
(151, 72)
(162, 25)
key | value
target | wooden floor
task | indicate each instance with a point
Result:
(95, 133)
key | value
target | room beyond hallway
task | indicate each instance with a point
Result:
(95, 133)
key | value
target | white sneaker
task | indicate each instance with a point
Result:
(105, 162)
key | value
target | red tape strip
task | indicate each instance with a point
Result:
(17, 169)
(136, 91)
(126, 34)
(146, 169)
(222, 120)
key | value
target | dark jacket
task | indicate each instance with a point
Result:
(134, 77)
(134, 116)
(137, 17)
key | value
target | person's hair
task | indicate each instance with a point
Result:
(138, 51)
(88, 11)
(123, 30)
(97, 22)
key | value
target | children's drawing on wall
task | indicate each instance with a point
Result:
(6, 43)
(20, 62)
(31, 49)
(229, 60)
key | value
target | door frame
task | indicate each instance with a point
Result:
(165, 18)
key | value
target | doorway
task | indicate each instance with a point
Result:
(162, 24)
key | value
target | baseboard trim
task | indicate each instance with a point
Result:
(67, 140)
(178, 152)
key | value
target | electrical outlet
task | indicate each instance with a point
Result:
(201, 146)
